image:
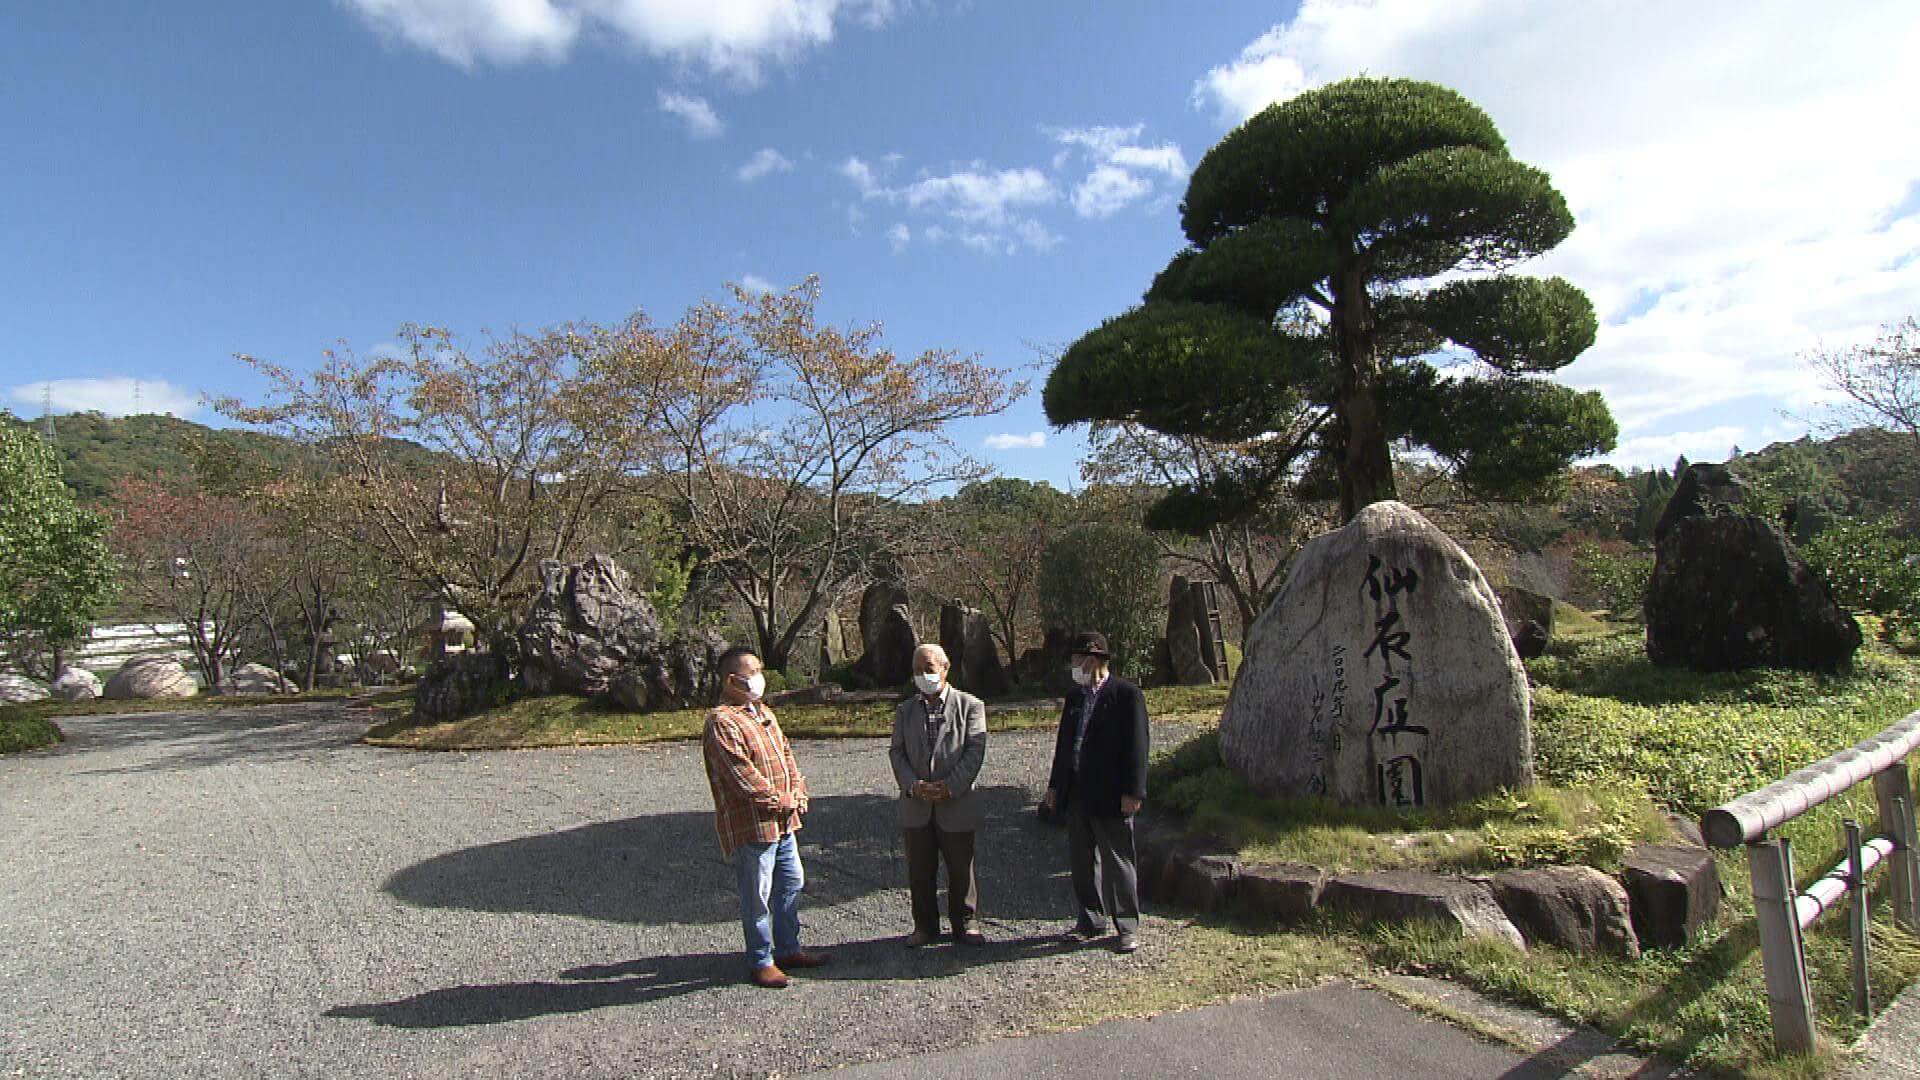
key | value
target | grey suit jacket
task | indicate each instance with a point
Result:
(954, 756)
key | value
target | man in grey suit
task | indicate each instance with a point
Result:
(939, 744)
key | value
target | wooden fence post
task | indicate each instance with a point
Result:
(1894, 792)
(1788, 996)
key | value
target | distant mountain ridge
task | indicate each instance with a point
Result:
(96, 450)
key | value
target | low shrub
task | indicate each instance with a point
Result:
(24, 729)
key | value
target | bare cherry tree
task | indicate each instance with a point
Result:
(797, 451)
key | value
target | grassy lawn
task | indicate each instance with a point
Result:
(563, 720)
(1617, 741)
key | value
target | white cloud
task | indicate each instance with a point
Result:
(989, 206)
(862, 176)
(734, 38)
(754, 283)
(977, 197)
(1120, 168)
(1106, 191)
(899, 236)
(113, 396)
(1739, 190)
(702, 122)
(764, 161)
(1033, 440)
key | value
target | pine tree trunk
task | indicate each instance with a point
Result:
(1366, 465)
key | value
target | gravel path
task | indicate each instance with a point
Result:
(249, 892)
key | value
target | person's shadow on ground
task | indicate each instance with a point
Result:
(667, 868)
(637, 982)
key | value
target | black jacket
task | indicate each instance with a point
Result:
(1113, 762)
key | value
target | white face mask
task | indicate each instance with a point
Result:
(928, 684)
(756, 686)
(1082, 676)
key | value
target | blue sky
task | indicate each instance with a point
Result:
(187, 180)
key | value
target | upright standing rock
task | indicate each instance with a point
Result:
(586, 625)
(1381, 674)
(968, 640)
(833, 641)
(1529, 617)
(1729, 592)
(1187, 648)
(1703, 489)
(887, 635)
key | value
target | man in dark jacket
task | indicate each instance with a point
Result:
(1099, 781)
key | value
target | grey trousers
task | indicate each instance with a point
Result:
(927, 847)
(1105, 880)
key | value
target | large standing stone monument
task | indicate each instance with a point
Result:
(586, 625)
(1190, 646)
(968, 639)
(887, 636)
(1729, 592)
(1381, 674)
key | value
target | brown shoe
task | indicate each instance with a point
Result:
(804, 959)
(918, 939)
(969, 936)
(769, 977)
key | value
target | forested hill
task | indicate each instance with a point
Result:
(97, 450)
(1865, 473)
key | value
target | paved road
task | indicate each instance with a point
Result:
(251, 893)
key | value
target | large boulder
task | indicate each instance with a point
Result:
(1703, 489)
(255, 679)
(1189, 655)
(1576, 908)
(149, 677)
(1729, 592)
(1381, 674)
(460, 685)
(75, 684)
(20, 690)
(679, 674)
(968, 639)
(1529, 619)
(887, 636)
(587, 624)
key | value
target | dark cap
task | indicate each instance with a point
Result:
(1091, 643)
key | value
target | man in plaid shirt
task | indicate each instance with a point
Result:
(758, 799)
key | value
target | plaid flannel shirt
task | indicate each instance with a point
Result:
(752, 772)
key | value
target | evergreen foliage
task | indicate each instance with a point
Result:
(1106, 578)
(1313, 226)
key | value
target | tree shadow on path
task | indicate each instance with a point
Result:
(638, 982)
(667, 868)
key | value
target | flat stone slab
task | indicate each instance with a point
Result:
(1287, 891)
(1404, 895)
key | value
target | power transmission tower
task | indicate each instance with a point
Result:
(46, 410)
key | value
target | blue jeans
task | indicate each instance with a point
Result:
(769, 879)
